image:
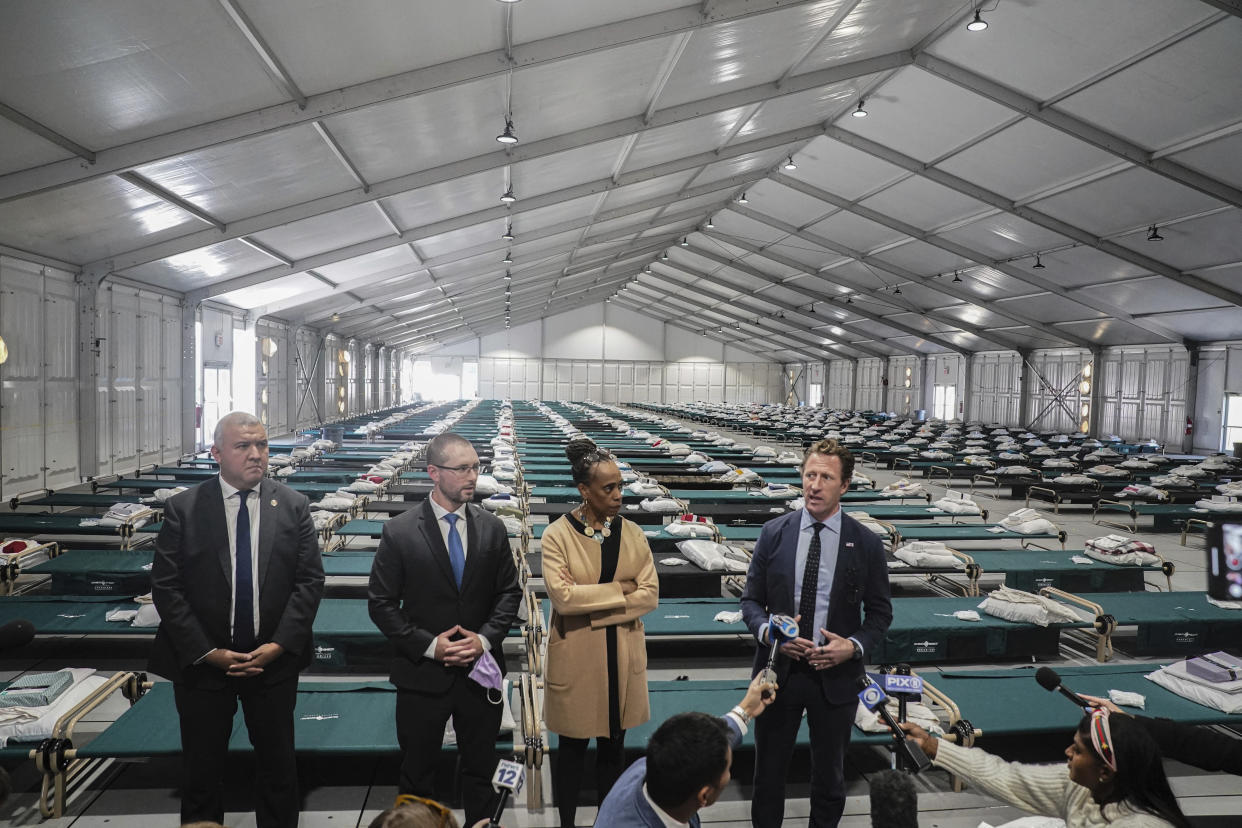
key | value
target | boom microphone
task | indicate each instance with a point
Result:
(1051, 681)
(16, 634)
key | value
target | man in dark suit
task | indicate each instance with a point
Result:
(824, 568)
(444, 590)
(237, 580)
(687, 766)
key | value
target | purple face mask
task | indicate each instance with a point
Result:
(487, 673)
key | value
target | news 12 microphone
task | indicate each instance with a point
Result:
(873, 697)
(506, 781)
(1050, 680)
(16, 634)
(781, 628)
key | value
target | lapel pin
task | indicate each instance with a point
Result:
(274, 503)
(847, 543)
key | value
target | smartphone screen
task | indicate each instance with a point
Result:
(1225, 562)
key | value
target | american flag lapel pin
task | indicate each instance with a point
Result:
(849, 544)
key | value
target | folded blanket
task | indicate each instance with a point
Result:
(1225, 507)
(920, 554)
(1026, 607)
(714, 557)
(646, 487)
(660, 504)
(1028, 522)
(1142, 492)
(1121, 550)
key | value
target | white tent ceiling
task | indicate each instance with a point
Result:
(336, 164)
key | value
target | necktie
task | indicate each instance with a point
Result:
(810, 586)
(457, 557)
(243, 581)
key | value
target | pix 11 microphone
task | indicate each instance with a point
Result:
(1049, 679)
(873, 697)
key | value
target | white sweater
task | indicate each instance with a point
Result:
(1040, 789)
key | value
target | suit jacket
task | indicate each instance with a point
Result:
(413, 596)
(191, 582)
(626, 807)
(858, 607)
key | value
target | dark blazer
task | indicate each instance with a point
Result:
(859, 606)
(626, 807)
(192, 586)
(413, 596)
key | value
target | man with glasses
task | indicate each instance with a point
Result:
(444, 590)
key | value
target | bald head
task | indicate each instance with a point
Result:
(232, 420)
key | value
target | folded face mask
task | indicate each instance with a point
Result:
(486, 673)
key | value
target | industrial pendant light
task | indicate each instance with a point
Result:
(978, 24)
(860, 111)
(508, 136)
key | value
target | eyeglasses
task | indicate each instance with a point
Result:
(458, 469)
(445, 815)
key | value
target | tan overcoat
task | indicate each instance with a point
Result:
(576, 680)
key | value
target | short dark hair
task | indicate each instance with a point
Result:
(831, 448)
(438, 448)
(583, 454)
(686, 753)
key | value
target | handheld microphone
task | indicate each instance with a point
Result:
(16, 634)
(1050, 680)
(875, 700)
(781, 628)
(507, 781)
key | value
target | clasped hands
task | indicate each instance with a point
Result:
(458, 652)
(835, 649)
(244, 665)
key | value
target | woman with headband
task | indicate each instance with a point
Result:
(601, 581)
(1114, 776)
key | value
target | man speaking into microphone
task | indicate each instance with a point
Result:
(824, 568)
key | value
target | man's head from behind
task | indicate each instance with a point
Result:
(688, 762)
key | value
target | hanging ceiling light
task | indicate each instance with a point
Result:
(508, 236)
(508, 259)
(860, 111)
(508, 276)
(849, 300)
(977, 24)
(508, 2)
(956, 276)
(1153, 234)
(896, 290)
(664, 256)
(508, 197)
(1039, 264)
(508, 136)
(709, 225)
(685, 241)
(789, 163)
(742, 199)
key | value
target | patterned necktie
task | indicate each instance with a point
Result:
(243, 581)
(457, 557)
(810, 586)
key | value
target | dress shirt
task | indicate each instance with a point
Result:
(231, 507)
(444, 527)
(829, 542)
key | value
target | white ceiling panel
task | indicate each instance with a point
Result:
(1145, 296)
(786, 204)
(276, 290)
(854, 231)
(1108, 330)
(924, 116)
(843, 170)
(564, 169)
(104, 75)
(1004, 235)
(246, 178)
(1220, 159)
(802, 109)
(1134, 198)
(383, 261)
(531, 221)
(753, 163)
(925, 204)
(687, 138)
(478, 235)
(876, 27)
(91, 220)
(741, 53)
(407, 135)
(1078, 266)
(643, 190)
(636, 222)
(327, 232)
(1186, 90)
(1048, 47)
(460, 196)
(189, 271)
(923, 258)
(1214, 324)
(1202, 242)
(372, 39)
(23, 149)
(1050, 159)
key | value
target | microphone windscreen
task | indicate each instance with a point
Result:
(894, 803)
(1048, 678)
(16, 634)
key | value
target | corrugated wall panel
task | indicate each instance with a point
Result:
(60, 436)
(838, 389)
(995, 386)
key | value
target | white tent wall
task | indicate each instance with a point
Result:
(611, 354)
(139, 389)
(1145, 394)
(1220, 373)
(996, 388)
(870, 378)
(315, 390)
(273, 370)
(39, 397)
(905, 385)
(839, 386)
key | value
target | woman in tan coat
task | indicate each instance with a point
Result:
(601, 580)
